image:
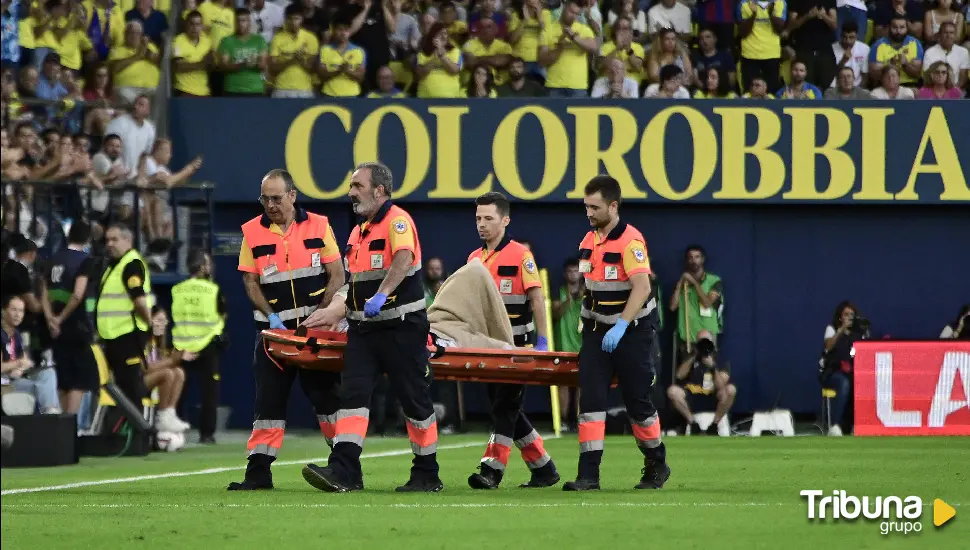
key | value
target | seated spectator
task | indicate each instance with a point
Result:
(623, 48)
(635, 16)
(153, 22)
(835, 366)
(438, 65)
(851, 53)
(669, 15)
(293, 56)
(941, 12)
(703, 384)
(714, 86)
(25, 376)
(799, 88)
(527, 21)
(481, 84)
(845, 87)
(960, 328)
(666, 50)
(164, 371)
(900, 50)
(891, 88)
(10, 168)
(487, 50)
(616, 85)
(518, 85)
(134, 65)
(97, 90)
(342, 64)
(385, 85)
(243, 59)
(192, 55)
(709, 55)
(670, 86)
(939, 83)
(956, 56)
(564, 50)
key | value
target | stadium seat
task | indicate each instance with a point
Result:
(104, 401)
(827, 395)
(704, 419)
(777, 421)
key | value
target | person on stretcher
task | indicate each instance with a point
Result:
(468, 312)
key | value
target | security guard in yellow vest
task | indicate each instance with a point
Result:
(199, 318)
(123, 312)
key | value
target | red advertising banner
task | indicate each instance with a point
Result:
(912, 388)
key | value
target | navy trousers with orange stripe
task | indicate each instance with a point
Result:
(401, 352)
(512, 427)
(273, 386)
(633, 363)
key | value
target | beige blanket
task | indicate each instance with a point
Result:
(469, 310)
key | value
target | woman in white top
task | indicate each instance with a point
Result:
(959, 329)
(671, 85)
(942, 11)
(890, 88)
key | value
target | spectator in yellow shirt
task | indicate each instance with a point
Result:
(758, 89)
(564, 51)
(457, 30)
(623, 47)
(342, 63)
(192, 56)
(134, 65)
(481, 83)
(439, 64)
(110, 27)
(714, 85)
(527, 21)
(64, 34)
(219, 21)
(488, 51)
(293, 56)
(760, 25)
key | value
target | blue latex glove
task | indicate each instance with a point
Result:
(373, 306)
(612, 337)
(542, 344)
(275, 322)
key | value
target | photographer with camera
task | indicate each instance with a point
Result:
(703, 383)
(835, 366)
(959, 329)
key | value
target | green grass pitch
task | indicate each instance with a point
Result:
(724, 493)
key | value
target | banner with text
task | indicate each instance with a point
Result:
(546, 150)
(912, 388)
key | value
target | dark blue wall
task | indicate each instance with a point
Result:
(785, 269)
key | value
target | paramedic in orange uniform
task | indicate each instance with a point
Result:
(388, 334)
(515, 273)
(291, 264)
(619, 319)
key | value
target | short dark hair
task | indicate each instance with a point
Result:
(47, 132)
(123, 227)
(692, 247)
(80, 232)
(23, 245)
(193, 13)
(295, 8)
(605, 185)
(572, 261)
(283, 175)
(242, 11)
(110, 137)
(380, 175)
(850, 26)
(897, 17)
(9, 298)
(500, 201)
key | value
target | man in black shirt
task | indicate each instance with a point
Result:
(812, 25)
(371, 24)
(518, 85)
(63, 297)
(702, 384)
(16, 279)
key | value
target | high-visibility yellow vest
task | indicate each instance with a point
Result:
(195, 314)
(115, 311)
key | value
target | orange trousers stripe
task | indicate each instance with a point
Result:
(272, 437)
(356, 425)
(647, 434)
(592, 431)
(423, 437)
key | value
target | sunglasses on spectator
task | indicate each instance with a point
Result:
(276, 200)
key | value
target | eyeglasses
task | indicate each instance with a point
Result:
(275, 200)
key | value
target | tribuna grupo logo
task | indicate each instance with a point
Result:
(897, 514)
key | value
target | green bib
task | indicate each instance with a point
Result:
(699, 318)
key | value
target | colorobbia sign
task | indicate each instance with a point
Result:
(912, 388)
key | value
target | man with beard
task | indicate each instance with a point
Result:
(620, 318)
(799, 88)
(518, 85)
(289, 258)
(900, 50)
(387, 334)
(698, 300)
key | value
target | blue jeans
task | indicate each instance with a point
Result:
(43, 386)
(84, 414)
(848, 13)
(841, 383)
(566, 93)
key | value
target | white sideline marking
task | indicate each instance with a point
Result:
(423, 505)
(218, 470)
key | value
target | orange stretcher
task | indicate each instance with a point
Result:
(324, 350)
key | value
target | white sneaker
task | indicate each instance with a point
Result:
(835, 431)
(167, 421)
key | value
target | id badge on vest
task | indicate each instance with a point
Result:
(269, 270)
(706, 311)
(708, 383)
(612, 273)
(505, 287)
(585, 266)
(315, 259)
(377, 261)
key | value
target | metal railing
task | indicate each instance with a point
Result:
(43, 210)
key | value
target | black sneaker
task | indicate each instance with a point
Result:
(582, 485)
(489, 478)
(695, 429)
(655, 474)
(547, 476)
(421, 485)
(326, 479)
(248, 485)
